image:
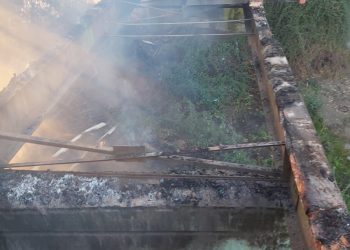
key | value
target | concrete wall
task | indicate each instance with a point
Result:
(45, 190)
(142, 228)
(321, 209)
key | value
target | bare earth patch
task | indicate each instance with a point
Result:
(335, 111)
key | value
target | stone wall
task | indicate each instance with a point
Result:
(321, 209)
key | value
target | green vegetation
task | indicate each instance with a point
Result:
(333, 144)
(209, 87)
(210, 74)
(314, 36)
(206, 79)
(199, 129)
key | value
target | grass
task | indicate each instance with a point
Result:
(198, 129)
(206, 78)
(210, 74)
(209, 87)
(333, 144)
(314, 36)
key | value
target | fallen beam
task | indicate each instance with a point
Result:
(200, 163)
(234, 146)
(117, 150)
(128, 150)
(131, 153)
(220, 164)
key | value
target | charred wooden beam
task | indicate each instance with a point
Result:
(116, 150)
(233, 147)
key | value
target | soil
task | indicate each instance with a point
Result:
(335, 111)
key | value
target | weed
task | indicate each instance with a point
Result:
(314, 36)
(260, 135)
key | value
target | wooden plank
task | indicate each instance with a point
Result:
(50, 163)
(233, 147)
(221, 164)
(62, 144)
(65, 162)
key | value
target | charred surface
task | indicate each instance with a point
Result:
(54, 190)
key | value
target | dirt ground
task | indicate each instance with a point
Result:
(335, 95)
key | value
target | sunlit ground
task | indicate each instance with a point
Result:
(21, 43)
(58, 61)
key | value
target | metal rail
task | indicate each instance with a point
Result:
(233, 147)
(200, 163)
(136, 153)
(184, 35)
(111, 150)
(184, 23)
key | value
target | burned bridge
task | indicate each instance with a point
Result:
(162, 125)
